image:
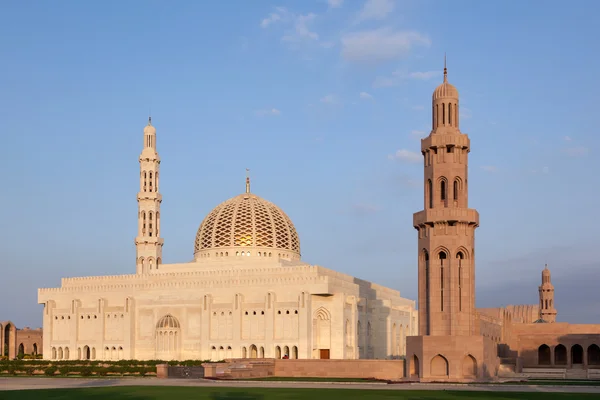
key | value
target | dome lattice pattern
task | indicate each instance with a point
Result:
(247, 222)
(168, 321)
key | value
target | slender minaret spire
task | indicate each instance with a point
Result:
(446, 225)
(445, 69)
(546, 290)
(148, 243)
(247, 180)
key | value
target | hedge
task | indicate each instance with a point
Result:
(88, 368)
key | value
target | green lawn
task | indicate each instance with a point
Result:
(195, 393)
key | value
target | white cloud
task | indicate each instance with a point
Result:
(300, 24)
(489, 168)
(329, 99)
(568, 138)
(365, 96)
(376, 9)
(280, 15)
(380, 44)
(272, 111)
(335, 3)
(407, 156)
(301, 30)
(398, 76)
(578, 151)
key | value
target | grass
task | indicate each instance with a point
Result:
(196, 393)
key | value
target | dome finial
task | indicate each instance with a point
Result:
(445, 69)
(247, 180)
(149, 121)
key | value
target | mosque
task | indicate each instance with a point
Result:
(248, 295)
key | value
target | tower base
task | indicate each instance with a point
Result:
(451, 359)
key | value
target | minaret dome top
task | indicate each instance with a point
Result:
(445, 90)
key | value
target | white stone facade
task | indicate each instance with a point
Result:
(246, 294)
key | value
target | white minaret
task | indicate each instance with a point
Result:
(148, 243)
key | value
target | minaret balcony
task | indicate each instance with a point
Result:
(149, 196)
(442, 140)
(433, 215)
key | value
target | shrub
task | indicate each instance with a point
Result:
(12, 370)
(30, 371)
(102, 371)
(86, 371)
(64, 370)
(50, 371)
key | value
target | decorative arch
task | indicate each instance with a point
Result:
(576, 354)
(167, 338)
(253, 351)
(560, 355)
(294, 352)
(21, 350)
(457, 188)
(439, 366)
(544, 355)
(469, 366)
(322, 329)
(442, 183)
(593, 354)
(277, 352)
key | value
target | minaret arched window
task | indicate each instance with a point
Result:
(150, 223)
(443, 190)
(443, 113)
(437, 115)
(430, 193)
(145, 180)
(143, 223)
(450, 114)
(427, 284)
(442, 257)
(150, 182)
(459, 258)
(455, 190)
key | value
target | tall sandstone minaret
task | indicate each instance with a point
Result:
(148, 243)
(446, 225)
(546, 289)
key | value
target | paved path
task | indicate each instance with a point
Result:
(71, 383)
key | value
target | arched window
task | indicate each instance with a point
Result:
(442, 257)
(443, 113)
(443, 190)
(437, 115)
(560, 355)
(430, 193)
(455, 190)
(427, 294)
(450, 114)
(459, 259)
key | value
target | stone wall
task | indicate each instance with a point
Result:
(377, 369)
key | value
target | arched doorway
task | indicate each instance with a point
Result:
(21, 351)
(262, 352)
(286, 351)
(295, 352)
(544, 355)
(560, 355)
(86, 353)
(439, 366)
(35, 349)
(469, 366)
(253, 352)
(576, 355)
(244, 352)
(593, 354)
(277, 352)
(414, 367)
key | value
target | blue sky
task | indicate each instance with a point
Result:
(325, 102)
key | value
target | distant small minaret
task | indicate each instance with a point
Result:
(546, 289)
(148, 242)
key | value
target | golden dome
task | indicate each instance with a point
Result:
(247, 225)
